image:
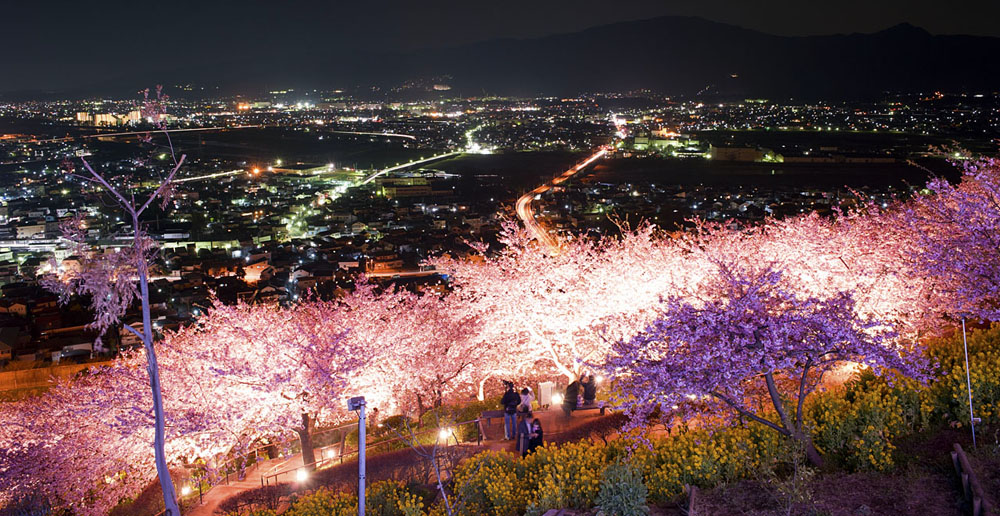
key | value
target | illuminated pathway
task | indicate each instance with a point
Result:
(526, 211)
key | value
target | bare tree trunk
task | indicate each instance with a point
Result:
(159, 440)
(308, 454)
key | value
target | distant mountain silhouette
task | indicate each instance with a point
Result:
(684, 55)
(672, 54)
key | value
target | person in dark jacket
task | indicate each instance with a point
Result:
(523, 432)
(589, 390)
(511, 399)
(572, 398)
(536, 437)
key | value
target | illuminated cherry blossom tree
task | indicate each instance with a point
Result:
(956, 241)
(240, 374)
(543, 312)
(749, 325)
(861, 252)
(114, 282)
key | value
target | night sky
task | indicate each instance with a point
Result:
(53, 45)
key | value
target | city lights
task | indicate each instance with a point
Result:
(714, 246)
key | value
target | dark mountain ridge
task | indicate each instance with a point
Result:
(681, 55)
(672, 54)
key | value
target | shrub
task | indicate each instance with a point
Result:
(947, 398)
(568, 475)
(389, 427)
(857, 425)
(385, 498)
(324, 502)
(389, 498)
(250, 502)
(623, 492)
(491, 483)
(704, 459)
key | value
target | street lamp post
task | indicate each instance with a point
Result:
(358, 403)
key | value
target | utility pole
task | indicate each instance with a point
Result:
(358, 403)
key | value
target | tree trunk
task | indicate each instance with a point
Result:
(482, 388)
(421, 410)
(794, 431)
(305, 439)
(159, 439)
(807, 444)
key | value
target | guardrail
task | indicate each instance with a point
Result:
(266, 480)
(248, 462)
(972, 490)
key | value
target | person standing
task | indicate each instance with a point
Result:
(509, 402)
(523, 433)
(589, 390)
(526, 398)
(572, 398)
(536, 437)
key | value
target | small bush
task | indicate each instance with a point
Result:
(623, 492)
(385, 498)
(567, 476)
(491, 483)
(857, 426)
(947, 398)
(255, 500)
(324, 502)
(391, 499)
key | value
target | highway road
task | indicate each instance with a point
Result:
(526, 210)
(415, 162)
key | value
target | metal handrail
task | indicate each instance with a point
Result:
(255, 452)
(266, 480)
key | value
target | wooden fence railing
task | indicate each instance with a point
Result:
(971, 488)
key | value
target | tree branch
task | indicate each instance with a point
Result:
(163, 186)
(135, 331)
(744, 412)
(97, 177)
(802, 394)
(776, 398)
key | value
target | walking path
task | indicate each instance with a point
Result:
(554, 423)
(219, 493)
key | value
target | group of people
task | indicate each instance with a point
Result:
(520, 425)
(518, 422)
(587, 386)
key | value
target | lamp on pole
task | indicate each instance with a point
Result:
(358, 403)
